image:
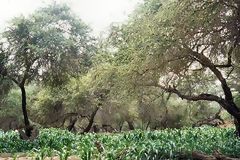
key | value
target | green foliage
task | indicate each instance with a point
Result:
(168, 143)
(41, 104)
(155, 47)
(12, 101)
(14, 97)
(46, 44)
(5, 86)
(154, 38)
(237, 99)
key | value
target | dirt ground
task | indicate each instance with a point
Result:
(29, 158)
(6, 156)
(227, 124)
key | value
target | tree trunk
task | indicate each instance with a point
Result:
(24, 110)
(148, 124)
(130, 125)
(233, 110)
(71, 126)
(216, 156)
(87, 129)
(237, 125)
(120, 126)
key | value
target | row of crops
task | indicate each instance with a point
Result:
(164, 144)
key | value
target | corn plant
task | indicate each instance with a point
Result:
(163, 144)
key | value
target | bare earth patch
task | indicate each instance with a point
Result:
(23, 156)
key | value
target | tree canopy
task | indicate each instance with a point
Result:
(183, 47)
(48, 46)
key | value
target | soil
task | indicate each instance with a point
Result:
(22, 156)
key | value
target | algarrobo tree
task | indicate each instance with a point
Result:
(48, 45)
(188, 42)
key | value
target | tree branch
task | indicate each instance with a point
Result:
(229, 54)
(228, 5)
(206, 62)
(13, 79)
(202, 96)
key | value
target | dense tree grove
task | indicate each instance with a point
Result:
(188, 48)
(172, 64)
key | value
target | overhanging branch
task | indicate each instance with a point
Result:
(202, 96)
(231, 108)
(206, 62)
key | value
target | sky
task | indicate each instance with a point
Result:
(98, 14)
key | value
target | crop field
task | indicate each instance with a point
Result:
(164, 144)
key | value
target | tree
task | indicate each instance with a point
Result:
(47, 46)
(180, 46)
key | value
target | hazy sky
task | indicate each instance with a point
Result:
(99, 14)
